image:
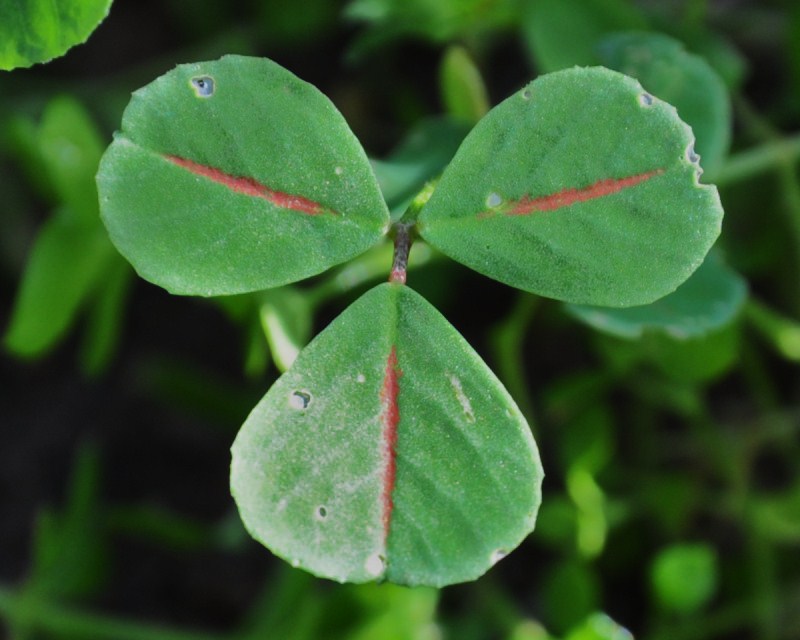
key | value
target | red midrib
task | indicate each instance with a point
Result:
(390, 418)
(250, 187)
(527, 205)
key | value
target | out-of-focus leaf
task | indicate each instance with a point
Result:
(684, 577)
(570, 593)
(286, 320)
(420, 157)
(599, 627)
(105, 317)
(563, 33)
(461, 85)
(66, 263)
(435, 20)
(710, 299)
(69, 547)
(39, 30)
(71, 148)
(397, 613)
(696, 360)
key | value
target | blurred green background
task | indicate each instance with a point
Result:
(671, 504)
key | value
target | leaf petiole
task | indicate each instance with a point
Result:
(402, 245)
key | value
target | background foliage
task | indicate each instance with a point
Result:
(672, 499)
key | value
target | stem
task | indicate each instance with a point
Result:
(761, 128)
(752, 162)
(402, 246)
(61, 621)
(782, 333)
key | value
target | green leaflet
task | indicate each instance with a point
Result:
(66, 263)
(388, 451)
(70, 147)
(233, 176)
(285, 316)
(40, 30)
(684, 80)
(580, 187)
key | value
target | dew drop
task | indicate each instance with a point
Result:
(361, 378)
(300, 400)
(497, 556)
(493, 200)
(338, 171)
(645, 99)
(526, 94)
(375, 565)
(203, 86)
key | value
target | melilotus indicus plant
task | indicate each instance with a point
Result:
(389, 450)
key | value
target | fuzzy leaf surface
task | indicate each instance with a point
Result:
(388, 451)
(666, 69)
(233, 176)
(580, 187)
(40, 30)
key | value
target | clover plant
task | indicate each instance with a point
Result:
(389, 450)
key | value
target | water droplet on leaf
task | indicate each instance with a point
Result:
(360, 378)
(493, 200)
(526, 94)
(376, 564)
(299, 400)
(338, 171)
(645, 99)
(203, 86)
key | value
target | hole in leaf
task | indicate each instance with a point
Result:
(493, 200)
(322, 513)
(203, 86)
(691, 154)
(526, 94)
(645, 99)
(300, 400)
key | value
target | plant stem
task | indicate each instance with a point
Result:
(757, 160)
(402, 246)
(782, 333)
(64, 621)
(762, 129)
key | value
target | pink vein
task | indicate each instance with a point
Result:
(527, 205)
(250, 187)
(390, 418)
